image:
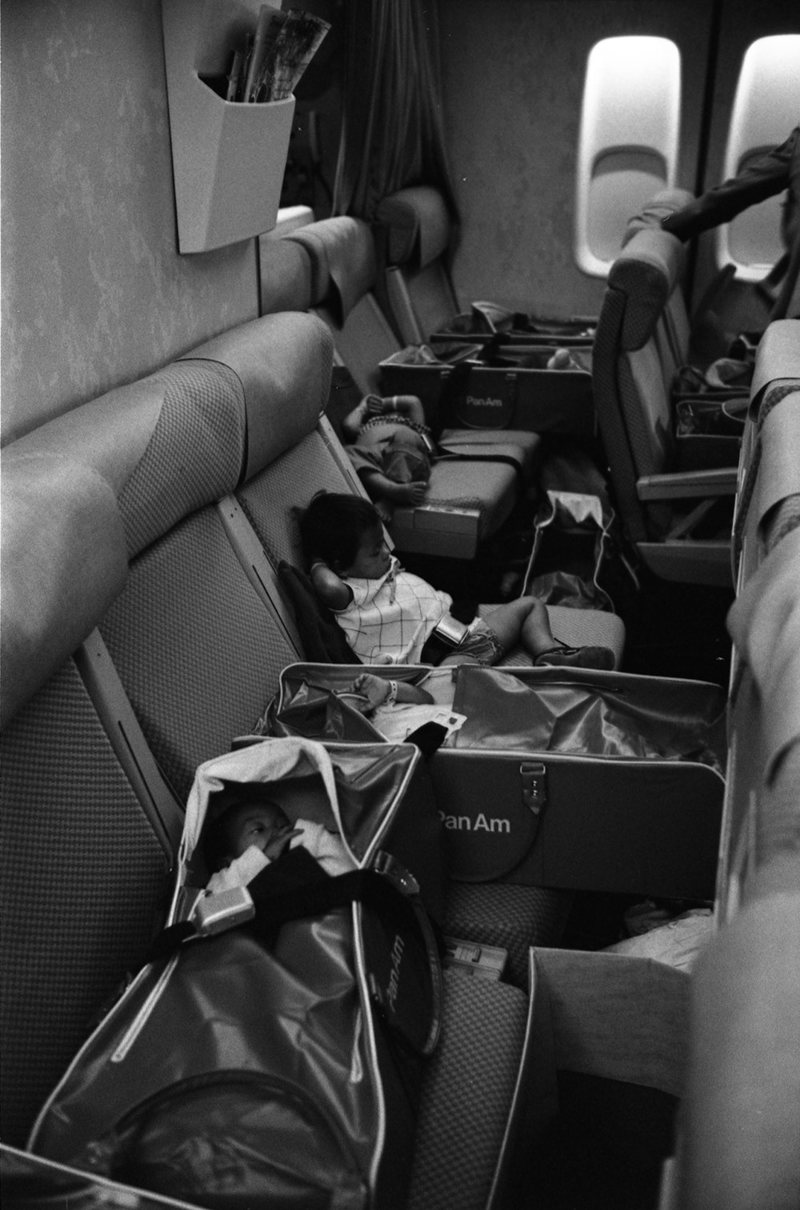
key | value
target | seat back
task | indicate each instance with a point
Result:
(344, 275)
(628, 145)
(765, 109)
(198, 651)
(138, 641)
(631, 391)
(414, 236)
(673, 329)
(632, 395)
(737, 1144)
(87, 847)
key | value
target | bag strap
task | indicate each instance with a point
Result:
(297, 887)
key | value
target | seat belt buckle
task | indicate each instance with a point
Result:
(451, 631)
(223, 910)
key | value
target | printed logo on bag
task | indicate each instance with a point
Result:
(479, 401)
(394, 977)
(480, 823)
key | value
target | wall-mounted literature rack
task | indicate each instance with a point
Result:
(228, 157)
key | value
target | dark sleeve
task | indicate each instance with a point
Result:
(321, 635)
(766, 176)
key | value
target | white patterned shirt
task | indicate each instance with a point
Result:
(388, 620)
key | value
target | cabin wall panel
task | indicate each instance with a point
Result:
(513, 74)
(94, 290)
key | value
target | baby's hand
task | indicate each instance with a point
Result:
(560, 360)
(279, 843)
(374, 688)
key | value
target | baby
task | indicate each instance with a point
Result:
(391, 448)
(254, 830)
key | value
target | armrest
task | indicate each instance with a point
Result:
(691, 484)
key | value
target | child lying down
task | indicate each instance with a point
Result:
(254, 831)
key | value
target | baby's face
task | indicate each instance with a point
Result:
(256, 824)
(373, 558)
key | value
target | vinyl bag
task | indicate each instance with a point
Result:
(567, 778)
(272, 1051)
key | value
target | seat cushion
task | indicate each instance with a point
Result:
(509, 916)
(491, 487)
(467, 1094)
(522, 446)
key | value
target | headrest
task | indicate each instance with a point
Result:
(777, 356)
(285, 276)
(418, 225)
(764, 623)
(659, 207)
(646, 272)
(343, 263)
(166, 445)
(63, 563)
(283, 363)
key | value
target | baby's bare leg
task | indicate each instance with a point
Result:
(525, 622)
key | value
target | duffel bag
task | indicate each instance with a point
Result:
(569, 778)
(271, 1053)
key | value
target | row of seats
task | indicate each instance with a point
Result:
(665, 485)
(331, 268)
(740, 1116)
(144, 628)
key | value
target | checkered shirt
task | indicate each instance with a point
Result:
(389, 619)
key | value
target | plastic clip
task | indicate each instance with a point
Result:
(223, 910)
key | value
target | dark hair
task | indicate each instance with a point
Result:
(222, 811)
(333, 526)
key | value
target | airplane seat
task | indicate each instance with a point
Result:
(86, 857)
(116, 535)
(473, 491)
(673, 331)
(341, 255)
(737, 1138)
(766, 505)
(665, 485)
(628, 142)
(414, 232)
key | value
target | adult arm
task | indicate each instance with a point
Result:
(766, 176)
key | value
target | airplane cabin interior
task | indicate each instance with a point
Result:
(400, 701)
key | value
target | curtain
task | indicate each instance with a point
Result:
(392, 129)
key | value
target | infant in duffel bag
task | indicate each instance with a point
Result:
(272, 1051)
